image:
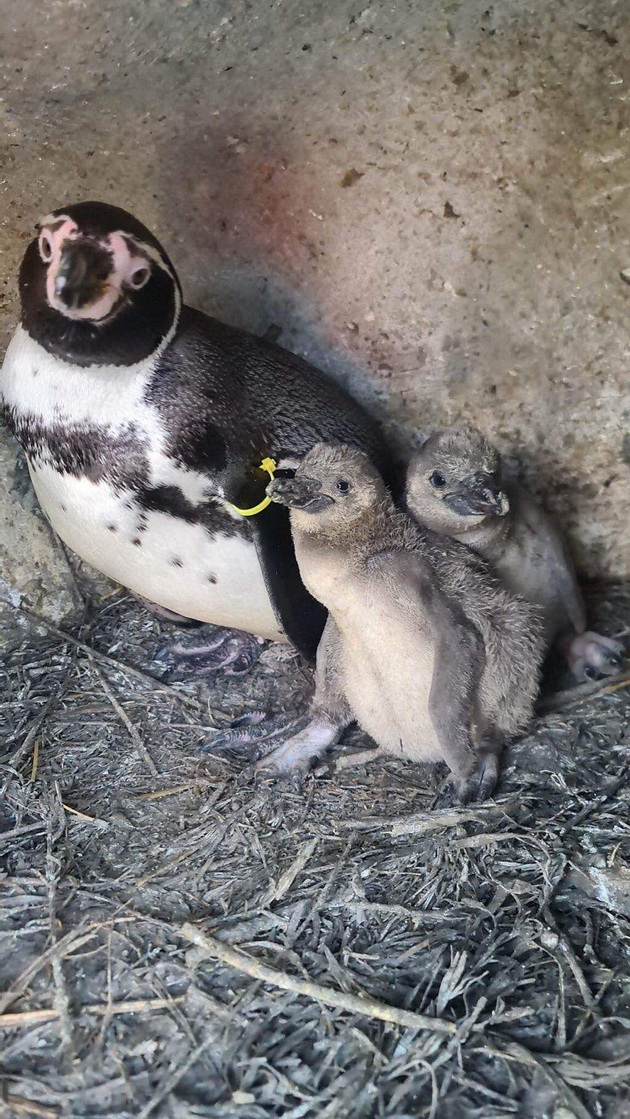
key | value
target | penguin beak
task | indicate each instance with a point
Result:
(299, 493)
(82, 274)
(479, 495)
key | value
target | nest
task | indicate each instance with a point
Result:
(181, 938)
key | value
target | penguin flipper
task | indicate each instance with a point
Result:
(560, 571)
(302, 617)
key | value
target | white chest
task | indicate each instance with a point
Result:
(386, 661)
(207, 571)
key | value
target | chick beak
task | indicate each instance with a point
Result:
(479, 495)
(82, 273)
(299, 493)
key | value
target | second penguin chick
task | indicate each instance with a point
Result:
(435, 660)
(456, 485)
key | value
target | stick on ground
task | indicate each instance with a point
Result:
(356, 1004)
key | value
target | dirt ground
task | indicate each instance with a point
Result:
(497, 938)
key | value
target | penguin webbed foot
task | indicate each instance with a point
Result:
(253, 734)
(295, 756)
(592, 656)
(473, 787)
(229, 651)
(166, 615)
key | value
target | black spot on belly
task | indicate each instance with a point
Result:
(209, 514)
(176, 562)
(212, 578)
(137, 541)
(113, 528)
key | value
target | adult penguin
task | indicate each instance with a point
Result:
(148, 426)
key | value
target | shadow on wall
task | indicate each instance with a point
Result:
(244, 217)
(495, 288)
(237, 208)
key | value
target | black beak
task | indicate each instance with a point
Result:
(479, 495)
(83, 272)
(299, 493)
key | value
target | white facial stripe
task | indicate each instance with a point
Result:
(148, 251)
(52, 220)
(153, 254)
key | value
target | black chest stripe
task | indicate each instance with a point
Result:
(87, 451)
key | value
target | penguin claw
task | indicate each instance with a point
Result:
(234, 653)
(474, 788)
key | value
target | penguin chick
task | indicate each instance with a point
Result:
(433, 658)
(456, 485)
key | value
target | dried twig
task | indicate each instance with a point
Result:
(160, 793)
(561, 701)
(61, 1001)
(29, 1107)
(67, 944)
(113, 662)
(173, 1080)
(356, 1004)
(134, 733)
(35, 763)
(20, 1018)
(286, 880)
(422, 823)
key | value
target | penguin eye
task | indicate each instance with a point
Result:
(45, 246)
(139, 277)
(438, 480)
(342, 486)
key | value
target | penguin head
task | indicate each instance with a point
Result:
(455, 477)
(334, 487)
(97, 287)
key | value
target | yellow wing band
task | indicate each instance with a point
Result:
(270, 465)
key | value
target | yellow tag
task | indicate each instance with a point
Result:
(270, 466)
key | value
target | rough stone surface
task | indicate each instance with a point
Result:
(33, 567)
(430, 200)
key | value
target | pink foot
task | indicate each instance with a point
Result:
(297, 754)
(229, 651)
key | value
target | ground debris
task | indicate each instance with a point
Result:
(180, 939)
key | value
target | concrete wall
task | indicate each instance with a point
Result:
(429, 199)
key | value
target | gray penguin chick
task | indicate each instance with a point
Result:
(456, 485)
(423, 646)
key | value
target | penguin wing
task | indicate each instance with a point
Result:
(301, 616)
(560, 571)
(413, 583)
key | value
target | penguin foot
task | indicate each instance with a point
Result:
(230, 651)
(298, 753)
(166, 615)
(253, 733)
(475, 787)
(591, 656)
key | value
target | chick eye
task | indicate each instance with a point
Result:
(438, 480)
(342, 486)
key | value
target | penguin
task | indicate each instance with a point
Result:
(423, 647)
(457, 485)
(150, 428)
